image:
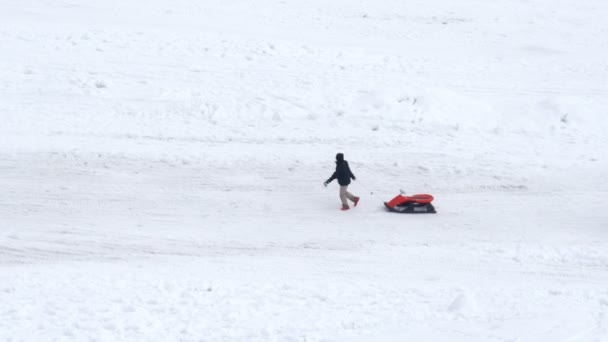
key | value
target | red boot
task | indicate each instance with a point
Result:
(356, 201)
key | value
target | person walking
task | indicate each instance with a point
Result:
(343, 174)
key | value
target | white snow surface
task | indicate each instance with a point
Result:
(161, 170)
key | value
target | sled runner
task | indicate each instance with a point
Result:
(415, 204)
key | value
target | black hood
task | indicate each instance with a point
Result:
(339, 157)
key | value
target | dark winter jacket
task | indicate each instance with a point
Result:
(342, 173)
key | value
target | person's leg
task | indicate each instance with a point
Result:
(350, 196)
(344, 196)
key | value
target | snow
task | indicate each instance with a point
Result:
(161, 167)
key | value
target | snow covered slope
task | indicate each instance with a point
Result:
(161, 167)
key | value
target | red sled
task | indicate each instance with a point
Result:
(415, 204)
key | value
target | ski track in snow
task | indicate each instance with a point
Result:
(161, 168)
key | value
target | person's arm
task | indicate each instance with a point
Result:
(334, 176)
(351, 173)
